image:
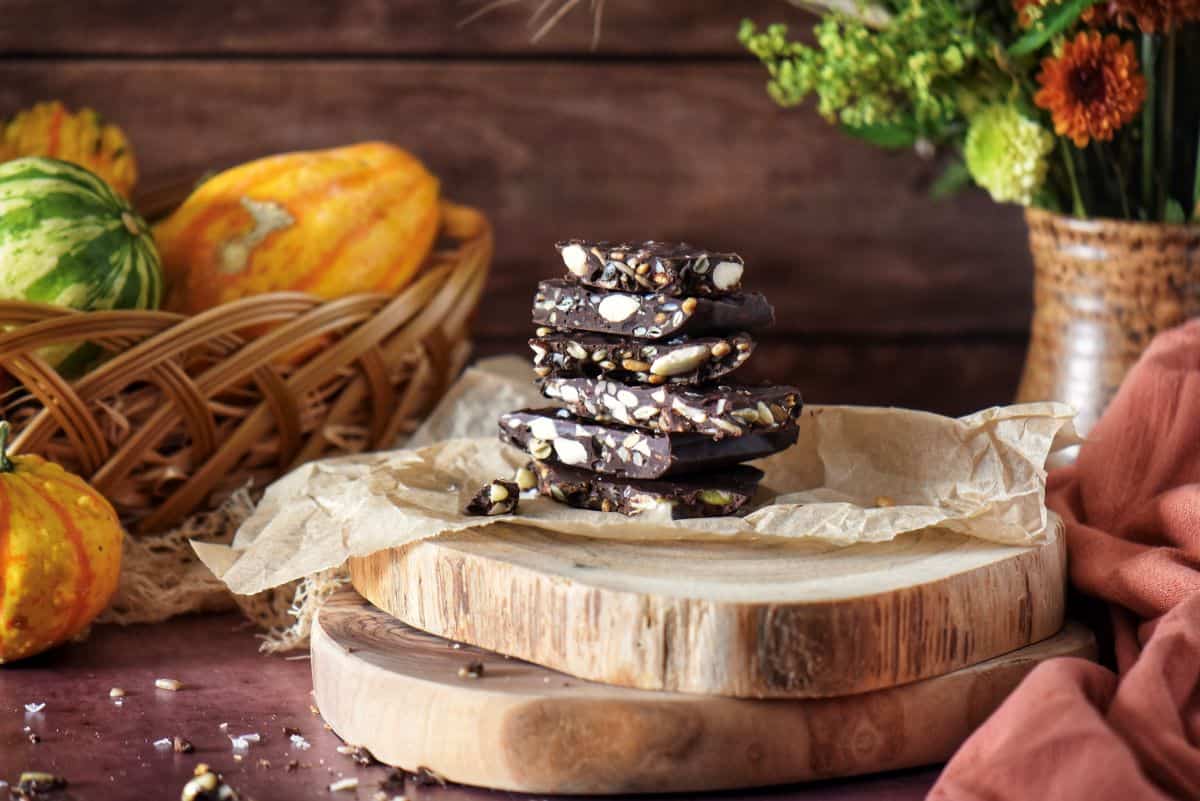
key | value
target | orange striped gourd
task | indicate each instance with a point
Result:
(60, 554)
(83, 138)
(352, 219)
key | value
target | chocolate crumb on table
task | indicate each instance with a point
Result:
(499, 497)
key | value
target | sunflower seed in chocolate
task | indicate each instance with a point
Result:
(569, 306)
(673, 361)
(688, 496)
(720, 411)
(619, 450)
(672, 268)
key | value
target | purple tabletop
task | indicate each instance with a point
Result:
(106, 748)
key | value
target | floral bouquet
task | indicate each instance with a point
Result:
(1077, 106)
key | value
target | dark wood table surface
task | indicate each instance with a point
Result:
(107, 751)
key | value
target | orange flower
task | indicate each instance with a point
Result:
(1152, 16)
(1091, 88)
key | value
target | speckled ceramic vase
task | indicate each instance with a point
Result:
(1102, 290)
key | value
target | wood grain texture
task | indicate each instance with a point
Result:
(841, 237)
(398, 692)
(761, 619)
(378, 27)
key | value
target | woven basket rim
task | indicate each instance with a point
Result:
(247, 345)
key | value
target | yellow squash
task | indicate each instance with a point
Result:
(83, 138)
(334, 222)
(60, 554)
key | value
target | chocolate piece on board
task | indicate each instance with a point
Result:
(566, 305)
(689, 496)
(672, 268)
(684, 360)
(557, 435)
(721, 411)
(497, 497)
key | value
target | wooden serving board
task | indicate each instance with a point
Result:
(761, 620)
(397, 691)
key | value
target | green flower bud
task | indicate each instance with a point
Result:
(1006, 153)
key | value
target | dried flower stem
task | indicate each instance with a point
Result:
(1196, 184)
(1069, 160)
(872, 15)
(554, 19)
(541, 28)
(1168, 126)
(1149, 66)
(484, 10)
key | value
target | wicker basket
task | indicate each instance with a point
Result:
(189, 409)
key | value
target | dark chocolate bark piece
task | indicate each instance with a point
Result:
(720, 411)
(682, 360)
(672, 268)
(497, 497)
(691, 496)
(557, 435)
(570, 306)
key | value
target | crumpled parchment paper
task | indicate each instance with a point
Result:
(857, 474)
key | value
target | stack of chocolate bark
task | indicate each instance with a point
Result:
(637, 342)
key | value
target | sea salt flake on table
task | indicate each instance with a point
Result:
(242, 741)
(163, 744)
(35, 707)
(298, 741)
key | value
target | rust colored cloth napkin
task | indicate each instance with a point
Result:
(1074, 730)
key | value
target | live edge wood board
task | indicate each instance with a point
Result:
(757, 620)
(398, 692)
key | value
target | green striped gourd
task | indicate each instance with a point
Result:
(68, 239)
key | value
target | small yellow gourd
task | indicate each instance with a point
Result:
(83, 138)
(60, 554)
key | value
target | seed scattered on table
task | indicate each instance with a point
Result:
(358, 753)
(182, 746)
(116, 692)
(34, 783)
(205, 785)
(34, 738)
(173, 685)
(471, 670)
(342, 785)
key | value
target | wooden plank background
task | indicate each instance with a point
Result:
(884, 295)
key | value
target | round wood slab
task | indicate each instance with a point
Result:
(765, 619)
(399, 693)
